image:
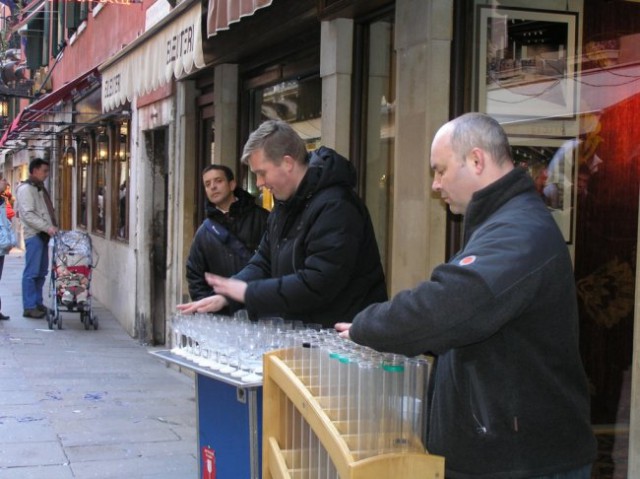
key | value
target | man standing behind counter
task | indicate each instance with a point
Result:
(510, 395)
(229, 235)
(318, 261)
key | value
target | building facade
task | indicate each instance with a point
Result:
(374, 80)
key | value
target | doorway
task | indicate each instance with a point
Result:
(157, 154)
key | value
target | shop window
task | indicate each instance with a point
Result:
(67, 156)
(563, 83)
(120, 185)
(83, 156)
(99, 185)
(374, 124)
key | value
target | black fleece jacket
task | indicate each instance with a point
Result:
(246, 220)
(318, 261)
(510, 395)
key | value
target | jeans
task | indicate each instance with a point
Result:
(583, 472)
(1, 268)
(36, 263)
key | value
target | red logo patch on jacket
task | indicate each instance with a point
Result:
(467, 260)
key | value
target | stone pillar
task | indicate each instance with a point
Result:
(184, 171)
(225, 99)
(336, 63)
(424, 31)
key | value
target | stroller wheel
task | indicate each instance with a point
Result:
(94, 320)
(86, 319)
(58, 319)
(49, 318)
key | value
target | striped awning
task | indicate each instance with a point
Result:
(223, 13)
(155, 58)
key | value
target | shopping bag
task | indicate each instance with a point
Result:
(7, 236)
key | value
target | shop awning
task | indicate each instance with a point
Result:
(171, 49)
(223, 13)
(28, 118)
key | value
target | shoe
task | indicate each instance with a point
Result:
(3, 317)
(33, 313)
(41, 307)
(67, 298)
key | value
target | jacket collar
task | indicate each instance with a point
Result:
(488, 200)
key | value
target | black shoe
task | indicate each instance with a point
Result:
(33, 313)
(42, 308)
(3, 317)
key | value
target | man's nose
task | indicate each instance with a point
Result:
(435, 185)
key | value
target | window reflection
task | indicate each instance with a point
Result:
(83, 181)
(120, 193)
(100, 181)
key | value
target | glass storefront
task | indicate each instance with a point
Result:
(374, 153)
(564, 80)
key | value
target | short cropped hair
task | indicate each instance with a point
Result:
(277, 138)
(478, 130)
(37, 163)
(225, 169)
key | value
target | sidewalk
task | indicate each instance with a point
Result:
(87, 404)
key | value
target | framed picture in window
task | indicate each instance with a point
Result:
(551, 164)
(526, 62)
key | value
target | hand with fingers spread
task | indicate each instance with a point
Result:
(210, 304)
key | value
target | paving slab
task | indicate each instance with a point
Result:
(78, 403)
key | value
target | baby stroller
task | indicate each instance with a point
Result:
(70, 288)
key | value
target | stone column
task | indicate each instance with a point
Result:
(336, 63)
(225, 94)
(424, 31)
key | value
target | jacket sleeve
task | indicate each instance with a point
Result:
(196, 267)
(464, 302)
(330, 251)
(28, 208)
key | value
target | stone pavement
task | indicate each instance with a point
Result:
(87, 404)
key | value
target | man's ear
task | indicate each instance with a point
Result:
(289, 162)
(232, 185)
(477, 160)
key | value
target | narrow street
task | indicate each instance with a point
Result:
(78, 403)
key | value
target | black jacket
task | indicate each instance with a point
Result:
(318, 261)
(510, 395)
(246, 220)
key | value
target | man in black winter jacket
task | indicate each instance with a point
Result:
(318, 261)
(510, 397)
(230, 234)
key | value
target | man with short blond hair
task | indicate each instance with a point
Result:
(318, 261)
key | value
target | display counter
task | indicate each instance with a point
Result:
(229, 421)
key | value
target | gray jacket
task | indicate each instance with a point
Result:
(32, 210)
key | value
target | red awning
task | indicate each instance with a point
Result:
(222, 13)
(27, 118)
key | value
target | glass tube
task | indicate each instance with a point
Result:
(415, 394)
(391, 439)
(366, 409)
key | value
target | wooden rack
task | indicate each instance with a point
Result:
(283, 391)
